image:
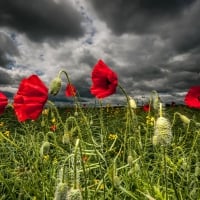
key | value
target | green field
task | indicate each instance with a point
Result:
(99, 153)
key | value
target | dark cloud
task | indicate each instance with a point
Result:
(41, 19)
(184, 33)
(5, 78)
(7, 49)
(173, 20)
(166, 56)
(139, 16)
(87, 58)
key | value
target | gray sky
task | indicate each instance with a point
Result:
(151, 45)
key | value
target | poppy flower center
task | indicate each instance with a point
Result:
(108, 82)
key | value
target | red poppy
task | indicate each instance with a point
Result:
(31, 96)
(70, 90)
(85, 158)
(146, 107)
(3, 102)
(53, 128)
(104, 80)
(192, 98)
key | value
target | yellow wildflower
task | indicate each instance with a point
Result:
(112, 136)
(7, 133)
(96, 182)
(55, 161)
(150, 120)
(53, 120)
(45, 157)
(45, 111)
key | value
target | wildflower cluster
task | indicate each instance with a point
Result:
(89, 153)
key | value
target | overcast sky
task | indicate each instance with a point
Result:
(150, 44)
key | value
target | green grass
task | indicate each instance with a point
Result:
(99, 153)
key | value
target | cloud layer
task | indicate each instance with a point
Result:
(152, 45)
(41, 19)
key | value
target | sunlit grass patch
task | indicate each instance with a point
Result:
(113, 159)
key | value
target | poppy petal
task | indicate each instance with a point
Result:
(30, 98)
(192, 98)
(3, 102)
(104, 80)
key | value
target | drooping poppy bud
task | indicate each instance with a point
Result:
(184, 119)
(70, 90)
(55, 85)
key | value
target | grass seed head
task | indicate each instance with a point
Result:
(61, 191)
(74, 194)
(162, 131)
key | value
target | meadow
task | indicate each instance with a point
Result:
(100, 153)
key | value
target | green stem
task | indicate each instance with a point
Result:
(129, 113)
(160, 109)
(75, 163)
(165, 168)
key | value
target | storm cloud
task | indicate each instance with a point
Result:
(150, 44)
(41, 19)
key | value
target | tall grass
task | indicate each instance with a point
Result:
(99, 153)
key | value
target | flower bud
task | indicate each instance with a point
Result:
(75, 113)
(55, 85)
(162, 131)
(184, 119)
(132, 103)
(116, 181)
(66, 138)
(156, 102)
(130, 160)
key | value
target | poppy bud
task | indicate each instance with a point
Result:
(130, 160)
(66, 138)
(116, 181)
(184, 119)
(156, 102)
(76, 113)
(55, 85)
(132, 103)
(44, 150)
(162, 131)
